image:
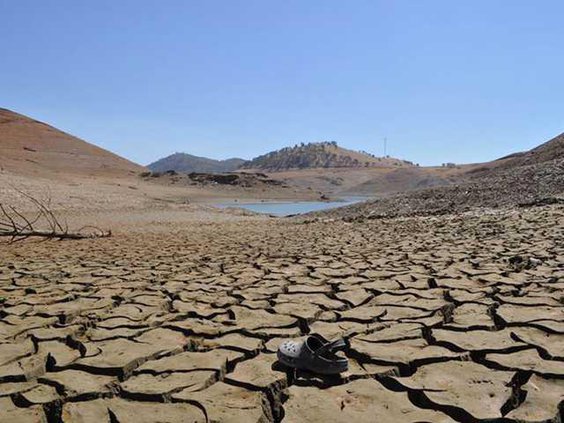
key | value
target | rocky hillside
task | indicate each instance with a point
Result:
(319, 155)
(31, 147)
(535, 177)
(550, 150)
(182, 162)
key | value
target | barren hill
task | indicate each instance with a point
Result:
(73, 175)
(182, 162)
(30, 147)
(319, 155)
(535, 177)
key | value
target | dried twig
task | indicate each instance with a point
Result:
(43, 223)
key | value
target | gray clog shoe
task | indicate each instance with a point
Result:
(315, 354)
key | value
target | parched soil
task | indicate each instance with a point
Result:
(448, 318)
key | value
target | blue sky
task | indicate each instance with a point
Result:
(443, 80)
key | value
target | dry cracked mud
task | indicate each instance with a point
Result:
(448, 319)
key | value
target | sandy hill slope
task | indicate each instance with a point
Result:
(30, 147)
(182, 162)
(368, 181)
(319, 155)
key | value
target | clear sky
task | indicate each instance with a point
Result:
(443, 80)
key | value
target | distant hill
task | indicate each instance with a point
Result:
(182, 162)
(319, 155)
(34, 148)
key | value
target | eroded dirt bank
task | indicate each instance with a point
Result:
(450, 318)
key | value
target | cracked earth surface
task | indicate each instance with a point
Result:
(452, 318)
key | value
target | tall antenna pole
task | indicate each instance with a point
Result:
(385, 146)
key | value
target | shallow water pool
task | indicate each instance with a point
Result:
(291, 208)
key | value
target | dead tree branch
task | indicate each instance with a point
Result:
(42, 222)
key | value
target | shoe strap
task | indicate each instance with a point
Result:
(336, 345)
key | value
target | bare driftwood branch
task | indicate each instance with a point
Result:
(41, 223)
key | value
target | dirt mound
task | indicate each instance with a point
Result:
(30, 147)
(403, 179)
(220, 187)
